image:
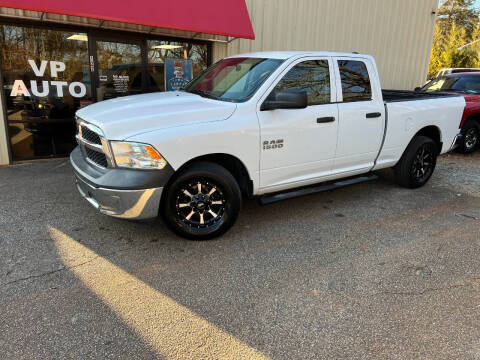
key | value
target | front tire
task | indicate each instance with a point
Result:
(202, 202)
(471, 137)
(417, 163)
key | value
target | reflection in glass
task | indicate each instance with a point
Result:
(119, 69)
(42, 125)
(233, 79)
(355, 81)
(159, 50)
(311, 76)
(40, 114)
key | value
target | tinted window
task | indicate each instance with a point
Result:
(311, 76)
(355, 81)
(233, 79)
(462, 84)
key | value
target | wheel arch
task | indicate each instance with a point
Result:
(475, 118)
(233, 164)
(433, 132)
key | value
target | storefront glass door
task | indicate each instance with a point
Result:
(49, 73)
(46, 79)
(119, 69)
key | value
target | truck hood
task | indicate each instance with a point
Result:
(124, 117)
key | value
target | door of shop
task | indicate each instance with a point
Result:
(118, 67)
(49, 72)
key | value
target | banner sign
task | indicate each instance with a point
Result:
(178, 72)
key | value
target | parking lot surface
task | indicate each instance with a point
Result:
(372, 271)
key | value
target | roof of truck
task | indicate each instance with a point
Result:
(289, 54)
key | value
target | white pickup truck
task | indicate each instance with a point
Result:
(255, 125)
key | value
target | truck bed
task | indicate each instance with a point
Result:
(390, 96)
(408, 112)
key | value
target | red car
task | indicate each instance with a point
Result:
(467, 84)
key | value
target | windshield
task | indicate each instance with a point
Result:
(461, 84)
(234, 79)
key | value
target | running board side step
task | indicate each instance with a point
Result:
(270, 199)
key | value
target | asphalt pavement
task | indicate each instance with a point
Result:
(372, 271)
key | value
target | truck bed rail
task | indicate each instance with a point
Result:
(406, 95)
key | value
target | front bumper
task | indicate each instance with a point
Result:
(122, 193)
(126, 204)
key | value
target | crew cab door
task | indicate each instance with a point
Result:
(361, 114)
(298, 145)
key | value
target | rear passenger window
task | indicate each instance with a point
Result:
(355, 81)
(312, 76)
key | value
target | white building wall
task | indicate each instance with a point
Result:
(398, 33)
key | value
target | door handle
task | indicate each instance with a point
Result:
(373, 115)
(324, 120)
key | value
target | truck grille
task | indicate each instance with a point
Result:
(97, 157)
(89, 137)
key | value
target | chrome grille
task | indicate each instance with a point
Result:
(90, 136)
(93, 144)
(97, 157)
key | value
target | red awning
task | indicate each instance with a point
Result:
(218, 17)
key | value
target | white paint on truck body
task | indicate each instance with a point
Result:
(184, 126)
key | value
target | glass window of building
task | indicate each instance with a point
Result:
(119, 69)
(46, 78)
(48, 74)
(159, 50)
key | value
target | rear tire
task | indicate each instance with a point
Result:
(471, 137)
(202, 202)
(417, 163)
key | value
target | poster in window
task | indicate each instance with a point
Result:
(178, 72)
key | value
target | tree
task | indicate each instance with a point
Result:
(457, 25)
(457, 12)
(448, 51)
(475, 39)
(454, 55)
(437, 49)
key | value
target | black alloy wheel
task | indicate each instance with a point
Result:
(471, 138)
(417, 163)
(424, 163)
(202, 202)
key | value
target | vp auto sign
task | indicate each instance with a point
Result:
(76, 89)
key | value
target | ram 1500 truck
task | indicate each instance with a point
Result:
(253, 125)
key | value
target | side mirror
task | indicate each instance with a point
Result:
(418, 88)
(287, 99)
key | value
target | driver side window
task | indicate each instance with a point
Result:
(312, 76)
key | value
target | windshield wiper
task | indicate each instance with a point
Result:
(205, 93)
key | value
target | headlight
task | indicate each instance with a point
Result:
(137, 156)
